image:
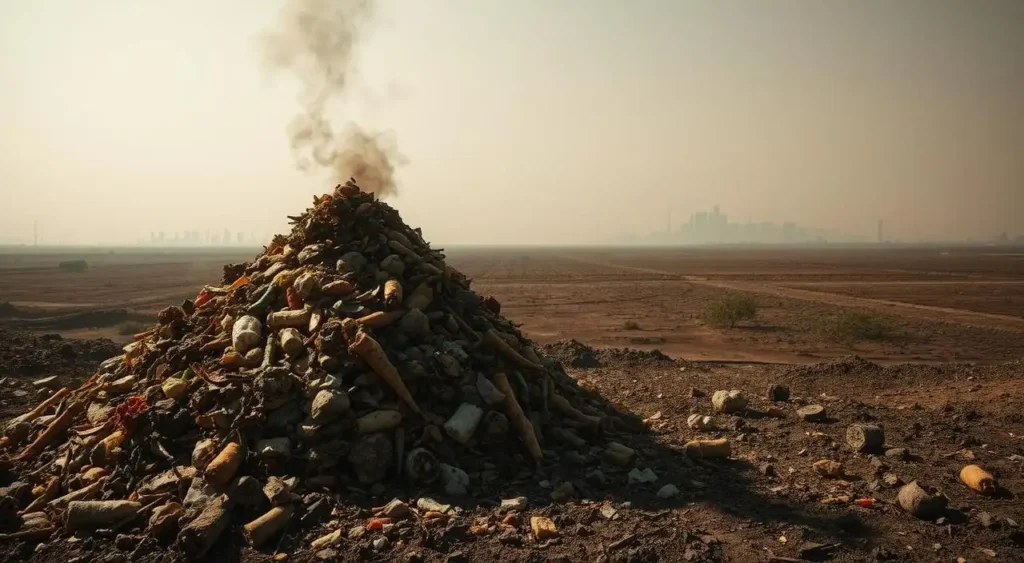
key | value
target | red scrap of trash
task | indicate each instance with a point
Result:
(204, 296)
(129, 410)
(865, 502)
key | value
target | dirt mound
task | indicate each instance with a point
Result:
(572, 353)
(575, 354)
(24, 355)
(836, 367)
(632, 356)
(345, 362)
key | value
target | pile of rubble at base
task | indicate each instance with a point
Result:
(346, 355)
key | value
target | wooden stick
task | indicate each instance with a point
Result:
(370, 351)
(491, 337)
(41, 407)
(515, 413)
(48, 493)
(56, 427)
(563, 405)
(381, 319)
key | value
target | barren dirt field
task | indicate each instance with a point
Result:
(956, 304)
(945, 384)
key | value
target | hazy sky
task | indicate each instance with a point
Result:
(555, 121)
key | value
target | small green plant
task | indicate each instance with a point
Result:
(855, 325)
(131, 327)
(728, 310)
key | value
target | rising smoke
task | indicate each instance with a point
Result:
(314, 41)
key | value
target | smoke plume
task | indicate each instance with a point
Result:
(314, 40)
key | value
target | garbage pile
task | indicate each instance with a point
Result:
(346, 354)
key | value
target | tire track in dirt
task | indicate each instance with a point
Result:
(910, 310)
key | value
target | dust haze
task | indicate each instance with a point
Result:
(191, 122)
(314, 41)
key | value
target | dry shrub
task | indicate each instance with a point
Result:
(730, 309)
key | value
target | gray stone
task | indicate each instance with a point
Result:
(638, 477)
(454, 480)
(415, 323)
(728, 402)
(668, 491)
(351, 262)
(393, 265)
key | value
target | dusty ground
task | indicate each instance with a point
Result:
(948, 307)
(943, 304)
(764, 502)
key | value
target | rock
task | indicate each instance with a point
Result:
(596, 477)
(488, 392)
(380, 543)
(668, 491)
(493, 429)
(371, 458)
(278, 491)
(563, 492)
(415, 323)
(828, 468)
(902, 454)
(609, 512)
(728, 402)
(351, 262)
(619, 454)
(17, 432)
(454, 480)
(274, 448)
(514, 504)
(778, 393)
(700, 422)
(245, 491)
(48, 383)
(427, 504)
(395, 510)
(393, 265)
(329, 405)
(164, 519)
(920, 502)
(543, 528)
(767, 469)
(696, 393)
(638, 477)
(892, 479)
(812, 413)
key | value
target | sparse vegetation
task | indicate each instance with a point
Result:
(855, 325)
(131, 327)
(726, 311)
(631, 325)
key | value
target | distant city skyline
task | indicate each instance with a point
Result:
(713, 227)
